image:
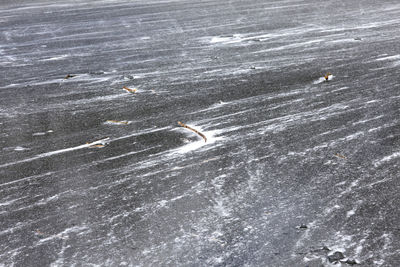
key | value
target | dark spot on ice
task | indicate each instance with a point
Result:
(335, 257)
(96, 72)
(325, 248)
(129, 77)
(303, 226)
(253, 67)
(350, 262)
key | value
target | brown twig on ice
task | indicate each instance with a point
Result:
(69, 76)
(327, 76)
(97, 146)
(194, 130)
(39, 232)
(340, 156)
(129, 89)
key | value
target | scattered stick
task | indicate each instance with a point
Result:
(69, 76)
(98, 144)
(129, 90)
(340, 156)
(39, 232)
(327, 76)
(194, 130)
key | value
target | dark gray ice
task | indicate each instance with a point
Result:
(296, 170)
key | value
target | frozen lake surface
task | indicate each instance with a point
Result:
(296, 170)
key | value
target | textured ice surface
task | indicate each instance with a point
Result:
(295, 168)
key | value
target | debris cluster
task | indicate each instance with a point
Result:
(101, 143)
(333, 257)
(338, 257)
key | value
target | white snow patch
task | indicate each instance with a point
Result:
(386, 159)
(8, 202)
(367, 120)
(226, 39)
(352, 136)
(375, 129)
(220, 208)
(310, 258)
(56, 152)
(341, 183)
(331, 209)
(56, 58)
(162, 203)
(389, 58)
(20, 148)
(350, 213)
(39, 134)
(358, 250)
(45, 201)
(64, 234)
(379, 262)
(340, 89)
